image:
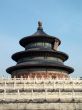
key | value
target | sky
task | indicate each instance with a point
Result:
(60, 18)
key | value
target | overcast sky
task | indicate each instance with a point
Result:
(61, 18)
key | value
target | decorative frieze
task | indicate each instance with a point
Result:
(40, 74)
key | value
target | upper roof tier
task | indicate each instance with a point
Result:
(38, 36)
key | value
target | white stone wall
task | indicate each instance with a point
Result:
(40, 106)
(40, 94)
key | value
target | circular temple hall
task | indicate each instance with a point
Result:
(41, 58)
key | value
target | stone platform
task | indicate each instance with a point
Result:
(40, 94)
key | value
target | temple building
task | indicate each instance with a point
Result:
(40, 80)
(40, 58)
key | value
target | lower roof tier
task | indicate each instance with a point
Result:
(37, 66)
(51, 53)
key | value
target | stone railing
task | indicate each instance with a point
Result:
(29, 83)
(41, 89)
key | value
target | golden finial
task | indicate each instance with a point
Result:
(39, 25)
